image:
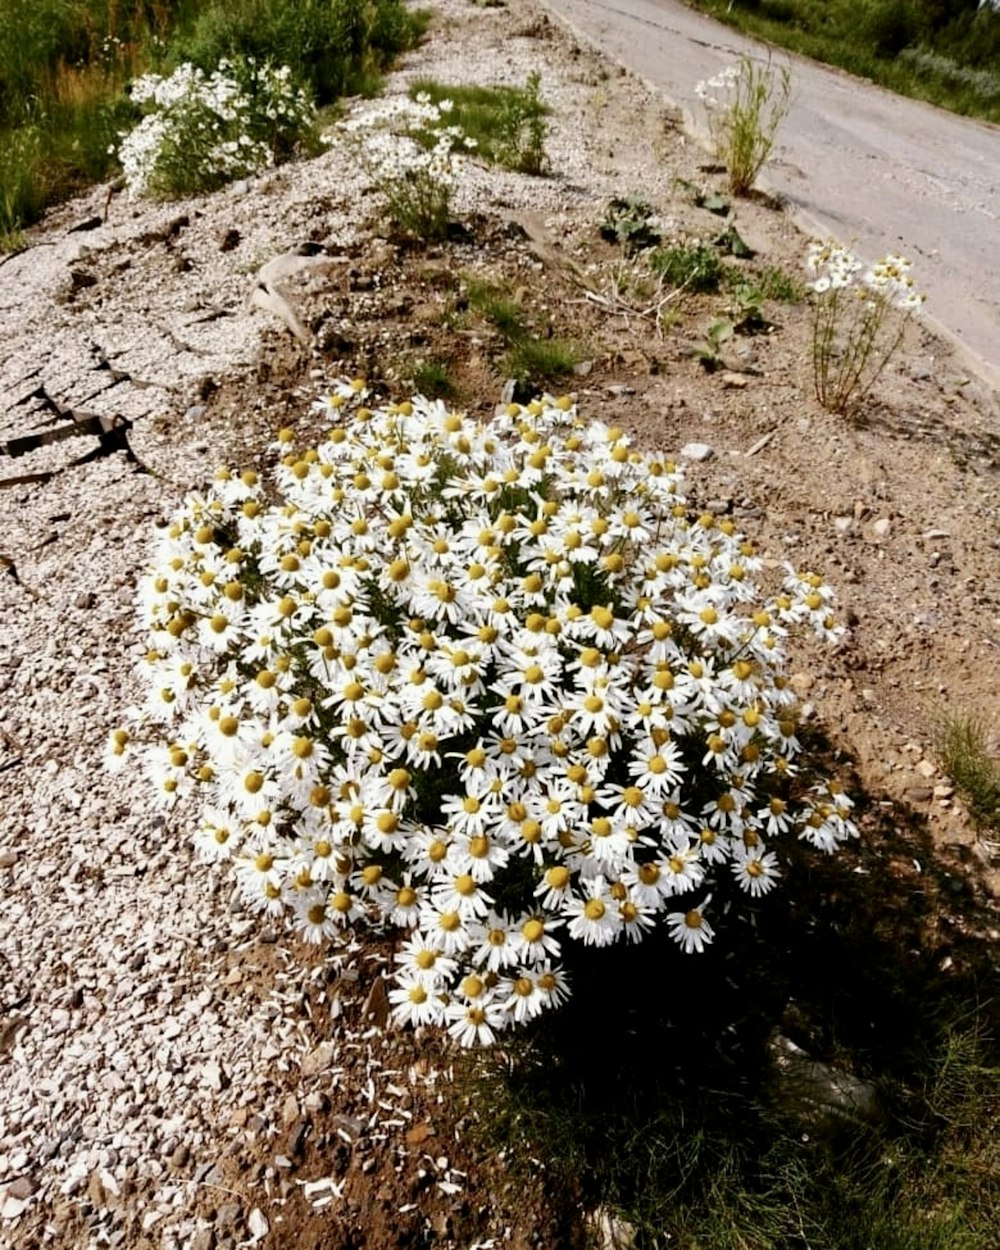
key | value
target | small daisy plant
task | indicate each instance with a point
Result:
(494, 684)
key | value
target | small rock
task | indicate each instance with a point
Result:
(257, 1224)
(22, 1188)
(230, 240)
(926, 768)
(377, 1004)
(918, 794)
(801, 683)
(583, 367)
(943, 791)
(181, 1156)
(297, 1138)
(8, 859)
(85, 600)
(228, 1214)
(318, 1060)
(289, 1109)
(205, 1240)
(881, 528)
(734, 381)
(13, 1208)
(418, 1133)
(610, 1231)
(843, 524)
(697, 451)
(213, 1076)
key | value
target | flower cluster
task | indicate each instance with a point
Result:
(495, 684)
(855, 331)
(710, 89)
(201, 131)
(408, 150)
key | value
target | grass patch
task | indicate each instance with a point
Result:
(534, 356)
(507, 123)
(961, 747)
(432, 378)
(64, 68)
(947, 54)
(503, 313)
(535, 360)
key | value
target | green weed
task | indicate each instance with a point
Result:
(507, 124)
(433, 379)
(695, 268)
(540, 360)
(498, 308)
(961, 747)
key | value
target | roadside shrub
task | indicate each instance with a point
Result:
(496, 685)
(201, 131)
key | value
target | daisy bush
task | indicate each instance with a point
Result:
(496, 685)
(201, 131)
(408, 149)
(859, 318)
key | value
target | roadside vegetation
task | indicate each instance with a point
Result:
(946, 51)
(65, 68)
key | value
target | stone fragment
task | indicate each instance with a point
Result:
(881, 528)
(926, 768)
(22, 1188)
(943, 791)
(213, 1076)
(257, 1224)
(918, 794)
(8, 859)
(697, 451)
(734, 381)
(318, 1060)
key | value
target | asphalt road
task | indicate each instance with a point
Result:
(878, 172)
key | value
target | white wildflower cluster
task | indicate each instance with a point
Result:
(408, 150)
(722, 84)
(495, 684)
(856, 321)
(201, 131)
(834, 267)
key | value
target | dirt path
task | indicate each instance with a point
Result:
(873, 169)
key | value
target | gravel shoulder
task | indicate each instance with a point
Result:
(172, 1074)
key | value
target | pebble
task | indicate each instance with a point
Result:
(881, 528)
(926, 768)
(8, 859)
(257, 1224)
(697, 451)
